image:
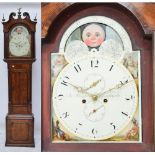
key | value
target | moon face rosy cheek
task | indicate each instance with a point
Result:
(99, 41)
(88, 42)
(94, 43)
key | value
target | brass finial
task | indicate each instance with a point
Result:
(19, 12)
(3, 19)
(35, 18)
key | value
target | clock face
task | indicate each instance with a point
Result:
(94, 98)
(19, 43)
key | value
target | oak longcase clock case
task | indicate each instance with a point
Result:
(19, 54)
(97, 80)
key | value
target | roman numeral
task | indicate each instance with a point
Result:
(130, 98)
(123, 83)
(111, 67)
(64, 81)
(114, 127)
(77, 68)
(65, 115)
(60, 96)
(94, 131)
(80, 124)
(94, 63)
(126, 81)
(124, 113)
(76, 130)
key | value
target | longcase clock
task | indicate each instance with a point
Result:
(19, 54)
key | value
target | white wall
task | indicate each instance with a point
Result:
(33, 9)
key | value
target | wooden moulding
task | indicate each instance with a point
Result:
(153, 46)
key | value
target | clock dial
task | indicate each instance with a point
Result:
(19, 44)
(98, 93)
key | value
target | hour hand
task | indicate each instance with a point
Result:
(93, 84)
(80, 89)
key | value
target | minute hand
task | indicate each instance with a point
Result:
(115, 87)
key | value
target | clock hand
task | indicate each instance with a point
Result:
(115, 87)
(95, 110)
(80, 89)
(15, 43)
(23, 43)
(93, 84)
(76, 87)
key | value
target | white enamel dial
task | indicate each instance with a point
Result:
(94, 107)
(19, 44)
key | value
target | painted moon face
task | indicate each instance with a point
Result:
(93, 35)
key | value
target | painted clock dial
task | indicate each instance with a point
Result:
(92, 102)
(19, 43)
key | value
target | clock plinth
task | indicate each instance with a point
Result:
(19, 54)
(19, 130)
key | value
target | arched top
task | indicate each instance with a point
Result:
(141, 11)
(118, 28)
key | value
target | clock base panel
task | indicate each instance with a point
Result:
(20, 130)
